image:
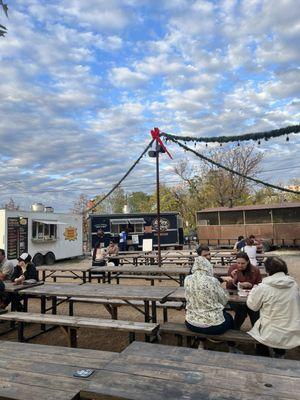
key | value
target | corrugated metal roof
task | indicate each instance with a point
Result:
(254, 207)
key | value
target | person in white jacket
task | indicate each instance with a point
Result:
(278, 300)
(205, 300)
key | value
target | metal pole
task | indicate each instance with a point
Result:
(158, 204)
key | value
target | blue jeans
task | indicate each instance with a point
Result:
(216, 329)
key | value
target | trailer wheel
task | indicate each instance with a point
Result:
(38, 259)
(49, 258)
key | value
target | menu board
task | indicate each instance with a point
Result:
(17, 237)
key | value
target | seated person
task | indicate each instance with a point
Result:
(24, 270)
(239, 244)
(204, 251)
(113, 250)
(205, 300)
(244, 275)
(99, 256)
(277, 299)
(251, 250)
(4, 300)
(6, 267)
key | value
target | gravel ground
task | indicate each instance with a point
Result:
(98, 340)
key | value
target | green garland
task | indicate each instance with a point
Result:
(258, 181)
(241, 138)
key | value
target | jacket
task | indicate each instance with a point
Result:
(30, 273)
(253, 277)
(205, 297)
(278, 300)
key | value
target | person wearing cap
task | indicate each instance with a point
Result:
(6, 267)
(24, 270)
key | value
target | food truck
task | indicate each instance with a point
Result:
(45, 235)
(139, 226)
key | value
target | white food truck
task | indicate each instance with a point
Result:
(45, 235)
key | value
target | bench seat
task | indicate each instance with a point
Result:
(70, 324)
(180, 331)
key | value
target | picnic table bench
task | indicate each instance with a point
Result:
(70, 325)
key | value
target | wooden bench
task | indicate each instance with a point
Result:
(112, 305)
(70, 324)
(180, 331)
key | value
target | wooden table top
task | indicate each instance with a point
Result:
(33, 371)
(152, 371)
(143, 371)
(179, 295)
(124, 292)
(145, 269)
(62, 267)
(11, 288)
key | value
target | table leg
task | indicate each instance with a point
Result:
(84, 276)
(181, 279)
(25, 303)
(43, 310)
(146, 306)
(44, 276)
(153, 311)
(54, 305)
(108, 277)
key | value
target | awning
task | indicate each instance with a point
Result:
(49, 222)
(137, 221)
(119, 221)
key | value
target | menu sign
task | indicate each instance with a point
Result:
(17, 237)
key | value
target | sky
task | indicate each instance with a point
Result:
(82, 83)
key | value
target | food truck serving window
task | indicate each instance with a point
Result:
(45, 230)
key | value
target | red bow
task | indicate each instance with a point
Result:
(155, 135)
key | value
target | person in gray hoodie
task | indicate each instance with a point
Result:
(277, 299)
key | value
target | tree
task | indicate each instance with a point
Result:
(118, 200)
(139, 202)
(3, 29)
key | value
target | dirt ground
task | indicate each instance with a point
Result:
(109, 341)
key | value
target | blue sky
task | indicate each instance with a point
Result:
(83, 82)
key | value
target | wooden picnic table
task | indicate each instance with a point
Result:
(169, 271)
(148, 294)
(33, 371)
(143, 371)
(73, 269)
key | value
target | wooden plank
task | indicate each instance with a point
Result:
(16, 391)
(81, 322)
(231, 379)
(10, 287)
(138, 387)
(127, 292)
(212, 358)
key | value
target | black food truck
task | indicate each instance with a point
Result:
(139, 226)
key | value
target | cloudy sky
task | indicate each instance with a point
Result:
(83, 82)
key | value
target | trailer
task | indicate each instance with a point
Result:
(140, 226)
(276, 224)
(46, 236)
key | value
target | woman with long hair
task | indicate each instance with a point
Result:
(242, 275)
